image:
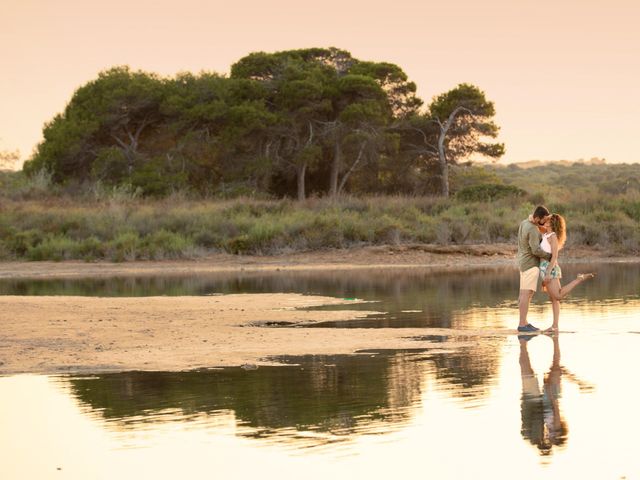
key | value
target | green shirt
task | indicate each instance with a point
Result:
(529, 251)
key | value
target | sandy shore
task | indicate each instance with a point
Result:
(86, 334)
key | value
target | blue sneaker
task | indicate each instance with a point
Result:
(528, 328)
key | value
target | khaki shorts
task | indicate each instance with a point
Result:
(529, 279)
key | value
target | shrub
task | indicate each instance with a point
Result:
(126, 246)
(54, 248)
(21, 242)
(165, 244)
(488, 192)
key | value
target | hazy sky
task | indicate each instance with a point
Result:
(564, 74)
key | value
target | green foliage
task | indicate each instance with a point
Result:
(464, 95)
(165, 244)
(463, 176)
(471, 113)
(284, 124)
(130, 229)
(487, 192)
(125, 246)
(564, 181)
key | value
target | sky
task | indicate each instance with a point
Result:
(564, 75)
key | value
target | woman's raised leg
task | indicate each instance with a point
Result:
(581, 277)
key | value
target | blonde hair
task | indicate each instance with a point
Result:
(559, 226)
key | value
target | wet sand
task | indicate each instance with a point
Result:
(86, 334)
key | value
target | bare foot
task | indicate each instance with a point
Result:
(551, 331)
(585, 276)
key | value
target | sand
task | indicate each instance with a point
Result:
(87, 334)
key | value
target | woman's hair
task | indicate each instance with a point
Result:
(559, 226)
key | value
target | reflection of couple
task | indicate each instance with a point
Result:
(542, 421)
(540, 238)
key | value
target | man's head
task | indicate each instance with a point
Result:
(540, 214)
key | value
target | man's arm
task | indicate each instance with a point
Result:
(534, 243)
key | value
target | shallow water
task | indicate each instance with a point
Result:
(497, 407)
(410, 298)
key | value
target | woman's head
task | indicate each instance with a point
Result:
(556, 223)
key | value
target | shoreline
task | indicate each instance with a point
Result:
(392, 257)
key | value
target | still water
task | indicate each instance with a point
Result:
(493, 407)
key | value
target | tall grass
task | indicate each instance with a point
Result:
(137, 229)
(41, 221)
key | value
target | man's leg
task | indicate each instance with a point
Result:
(528, 285)
(523, 305)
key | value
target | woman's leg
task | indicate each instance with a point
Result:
(564, 291)
(553, 289)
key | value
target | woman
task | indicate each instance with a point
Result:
(552, 242)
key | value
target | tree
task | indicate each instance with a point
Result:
(361, 111)
(215, 126)
(331, 106)
(464, 119)
(369, 98)
(101, 130)
(297, 86)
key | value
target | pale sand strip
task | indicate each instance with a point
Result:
(87, 334)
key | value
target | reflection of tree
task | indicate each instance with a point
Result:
(339, 395)
(468, 370)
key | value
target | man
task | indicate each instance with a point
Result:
(529, 255)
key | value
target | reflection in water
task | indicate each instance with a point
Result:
(542, 421)
(467, 371)
(330, 396)
(368, 414)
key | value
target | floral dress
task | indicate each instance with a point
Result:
(556, 272)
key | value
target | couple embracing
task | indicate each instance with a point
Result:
(540, 239)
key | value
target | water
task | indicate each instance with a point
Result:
(494, 407)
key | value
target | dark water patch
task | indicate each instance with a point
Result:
(409, 298)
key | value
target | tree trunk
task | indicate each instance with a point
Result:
(444, 168)
(353, 167)
(335, 170)
(300, 177)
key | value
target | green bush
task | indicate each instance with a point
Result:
(54, 248)
(125, 246)
(488, 192)
(165, 244)
(21, 242)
